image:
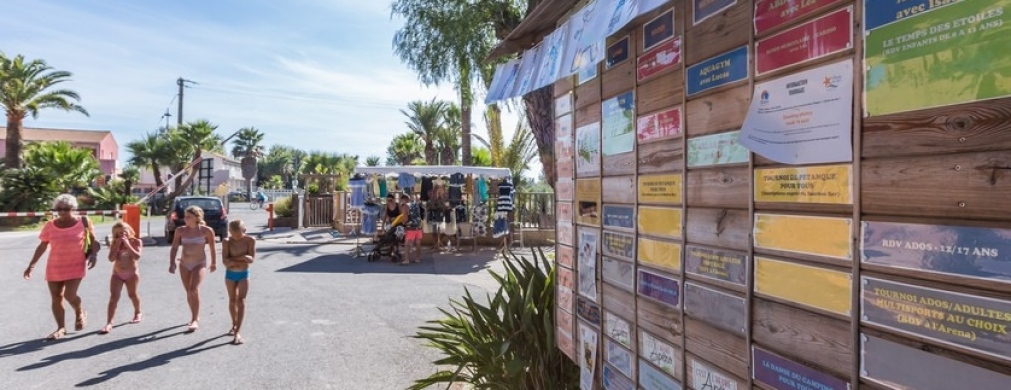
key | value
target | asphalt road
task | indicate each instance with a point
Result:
(317, 319)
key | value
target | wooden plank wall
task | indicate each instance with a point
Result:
(565, 255)
(809, 286)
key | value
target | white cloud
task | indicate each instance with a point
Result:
(335, 87)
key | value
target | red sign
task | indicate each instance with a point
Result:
(826, 35)
(770, 14)
(662, 57)
(659, 125)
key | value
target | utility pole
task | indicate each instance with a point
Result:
(181, 82)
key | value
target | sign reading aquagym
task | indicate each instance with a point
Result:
(803, 118)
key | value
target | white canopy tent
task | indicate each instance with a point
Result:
(440, 170)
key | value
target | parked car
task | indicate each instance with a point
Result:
(238, 196)
(215, 215)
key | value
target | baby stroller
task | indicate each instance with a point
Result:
(388, 243)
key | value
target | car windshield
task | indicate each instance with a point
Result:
(205, 204)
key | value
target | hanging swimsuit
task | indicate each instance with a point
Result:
(201, 240)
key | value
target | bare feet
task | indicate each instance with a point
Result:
(137, 318)
(238, 340)
(193, 326)
(231, 332)
(58, 334)
(106, 329)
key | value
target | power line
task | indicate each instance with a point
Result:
(166, 114)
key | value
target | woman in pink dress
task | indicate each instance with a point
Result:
(67, 262)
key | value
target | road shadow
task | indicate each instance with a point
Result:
(287, 249)
(35, 345)
(453, 263)
(103, 348)
(154, 361)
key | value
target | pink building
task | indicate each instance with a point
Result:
(101, 142)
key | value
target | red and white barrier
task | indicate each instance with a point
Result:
(48, 213)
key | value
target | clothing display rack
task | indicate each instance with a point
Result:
(450, 182)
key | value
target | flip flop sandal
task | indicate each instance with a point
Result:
(81, 321)
(57, 335)
(105, 330)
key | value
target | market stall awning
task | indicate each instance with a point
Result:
(538, 23)
(440, 170)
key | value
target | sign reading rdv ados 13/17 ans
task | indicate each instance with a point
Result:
(973, 252)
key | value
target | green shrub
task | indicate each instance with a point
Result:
(27, 189)
(507, 343)
(282, 207)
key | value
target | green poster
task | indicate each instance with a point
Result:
(716, 149)
(618, 124)
(954, 54)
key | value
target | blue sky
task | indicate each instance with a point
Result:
(313, 74)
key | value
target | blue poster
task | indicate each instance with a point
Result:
(784, 374)
(974, 252)
(705, 9)
(721, 70)
(660, 288)
(616, 216)
(613, 380)
(878, 13)
(651, 378)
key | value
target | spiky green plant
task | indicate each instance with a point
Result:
(508, 340)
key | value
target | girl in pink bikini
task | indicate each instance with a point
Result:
(125, 255)
(195, 238)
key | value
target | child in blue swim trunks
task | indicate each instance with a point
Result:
(237, 253)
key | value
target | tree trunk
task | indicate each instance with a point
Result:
(495, 140)
(540, 114)
(430, 154)
(156, 171)
(466, 106)
(15, 141)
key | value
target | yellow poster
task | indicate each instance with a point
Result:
(588, 201)
(659, 221)
(662, 189)
(820, 236)
(810, 286)
(661, 254)
(826, 184)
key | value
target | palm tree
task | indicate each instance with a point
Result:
(426, 119)
(25, 88)
(73, 167)
(447, 140)
(373, 161)
(153, 151)
(448, 40)
(521, 151)
(277, 162)
(248, 147)
(191, 140)
(130, 175)
(404, 149)
(482, 157)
